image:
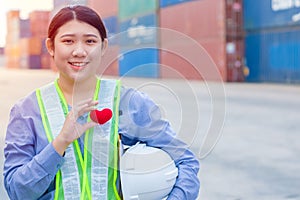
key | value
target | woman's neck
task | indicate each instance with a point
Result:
(76, 91)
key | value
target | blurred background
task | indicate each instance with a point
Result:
(249, 40)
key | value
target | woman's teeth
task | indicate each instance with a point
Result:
(78, 64)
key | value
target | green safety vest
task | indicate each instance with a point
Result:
(93, 175)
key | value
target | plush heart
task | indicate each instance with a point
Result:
(101, 116)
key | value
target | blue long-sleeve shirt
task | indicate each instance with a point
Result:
(31, 162)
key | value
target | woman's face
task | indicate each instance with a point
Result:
(77, 50)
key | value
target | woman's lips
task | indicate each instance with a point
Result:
(78, 65)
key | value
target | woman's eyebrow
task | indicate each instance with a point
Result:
(84, 35)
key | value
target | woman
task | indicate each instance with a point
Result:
(50, 138)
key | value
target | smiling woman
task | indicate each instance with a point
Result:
(53, 148)
(78, 47)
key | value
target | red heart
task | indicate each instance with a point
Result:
(101, 117)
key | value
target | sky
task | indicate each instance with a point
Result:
(25, 7)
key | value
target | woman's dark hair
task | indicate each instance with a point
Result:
(80, 13)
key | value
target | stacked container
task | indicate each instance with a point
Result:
(2, 57)
(234, 41)
(12, 49)
(272, 46)
(25, 42)
(33, 52)
(58, 4)
(204, 23)
(138, 38)
(166, 3)
(108, 10)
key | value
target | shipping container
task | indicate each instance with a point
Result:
(30, 62)
(204, 59)
(111, 24)
(31, 46)
(13, 28)
(235, 60)
(132, 8)
(234, 19)
(25, 28)
(23, 62)
(34, 62)
(208, 33)
(60, 3)
(39, 21)
(234, 41)
(104, 8)
(260, 14)
(13, 14)
(12, 37)
(12, 54)
(12, 50)
(165, 3)
(142, 62)
(13, 21)
(186, 18)
(2, 61)
(139, 31)
(273, 56)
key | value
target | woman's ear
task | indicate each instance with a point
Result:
(50, 46)
(104, 46)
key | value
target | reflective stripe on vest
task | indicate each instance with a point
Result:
(93, 175)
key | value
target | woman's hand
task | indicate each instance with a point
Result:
(72, 130)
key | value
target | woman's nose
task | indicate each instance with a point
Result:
(79, 51)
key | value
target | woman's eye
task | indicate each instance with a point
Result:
(91, 41)
(68, 41)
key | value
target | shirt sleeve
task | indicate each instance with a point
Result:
(27, 173)
(141, 121)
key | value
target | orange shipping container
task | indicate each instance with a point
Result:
(104, 8)
(199, 38)
(197, 19)
(31, 46)
(13, 14)
(13, 28)
(12, 51)
(191, 59)
(39, 21)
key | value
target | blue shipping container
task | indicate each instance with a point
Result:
(260, 14)
(139, 31)
(34, 62)
(142, 62)
(165, 3)
(25, 28)
(111, 24)
(273, 56)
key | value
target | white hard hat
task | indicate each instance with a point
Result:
(147, 173)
